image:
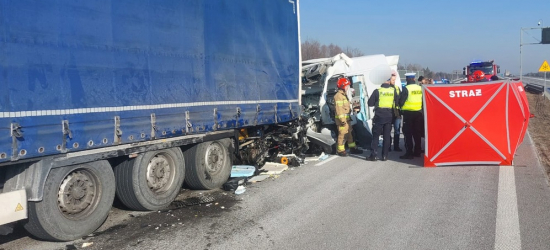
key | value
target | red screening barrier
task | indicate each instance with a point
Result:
(474, 123)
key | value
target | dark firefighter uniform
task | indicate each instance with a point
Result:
(383, 99)
(413, 119)
(342, 108)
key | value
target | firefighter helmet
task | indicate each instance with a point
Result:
(342, 83)
(479, 75)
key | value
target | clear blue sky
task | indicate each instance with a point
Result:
(442, 35)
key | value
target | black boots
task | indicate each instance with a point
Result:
(355, 151)
(372, 158)
(406, 156)
(343, 153)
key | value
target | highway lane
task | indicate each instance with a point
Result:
(349, 203)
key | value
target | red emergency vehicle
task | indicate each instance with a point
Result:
(489, 69)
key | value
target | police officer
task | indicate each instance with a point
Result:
(383, 99)
(343, 109)
(413, 119)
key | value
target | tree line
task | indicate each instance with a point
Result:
(313, 49)
(415, 67)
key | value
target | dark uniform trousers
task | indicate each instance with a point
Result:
(413, 128)
(384, 128)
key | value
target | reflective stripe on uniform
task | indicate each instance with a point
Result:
(351, 145)
(385, 99)
(341, 148)
(342, 116)
(342, 103)
(414, 100)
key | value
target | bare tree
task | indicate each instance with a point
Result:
(353, 52)
(414, 67)
(312, 49)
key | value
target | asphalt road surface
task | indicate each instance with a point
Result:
(346, 203)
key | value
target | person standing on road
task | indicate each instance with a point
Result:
(413, 119)
(384, 100)
(397, 115)
(423, 80)
(343, 109)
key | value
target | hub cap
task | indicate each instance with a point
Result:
(76, 193)
(160, 173)
(215, 158)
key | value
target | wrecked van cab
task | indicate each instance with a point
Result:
(319, 76)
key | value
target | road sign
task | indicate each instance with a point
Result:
(544, 67)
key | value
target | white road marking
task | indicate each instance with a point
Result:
(507, 235)
(325, 161)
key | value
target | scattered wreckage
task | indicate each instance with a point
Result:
(315, 131)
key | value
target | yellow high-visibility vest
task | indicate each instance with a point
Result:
(385, 97)
(414, 100)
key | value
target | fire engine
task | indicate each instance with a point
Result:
(489, 69)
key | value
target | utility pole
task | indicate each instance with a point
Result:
(521, 45)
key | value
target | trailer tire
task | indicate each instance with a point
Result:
(152, 180)
(88, 189)
(209, 164)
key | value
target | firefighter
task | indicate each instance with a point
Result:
(479, 76)
(413, 119)
(343, 109)
(384, 100)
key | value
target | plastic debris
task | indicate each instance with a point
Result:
(271, 168)
(240, 190)
(258, 178)
(323, 156)
(242, 171)
(87, 244)
(234, 183)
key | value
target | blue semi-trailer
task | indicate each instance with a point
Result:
(132, 98)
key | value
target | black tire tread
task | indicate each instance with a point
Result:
(191, 175)
(193, 156)
(34, 225)
(124, 188)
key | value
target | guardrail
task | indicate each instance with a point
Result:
(537, 84)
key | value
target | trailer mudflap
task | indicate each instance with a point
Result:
(14, 206)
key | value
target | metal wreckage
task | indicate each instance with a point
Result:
(315, 131)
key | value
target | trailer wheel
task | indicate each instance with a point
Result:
(77, 200)
(209, 164)
(150, 181)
